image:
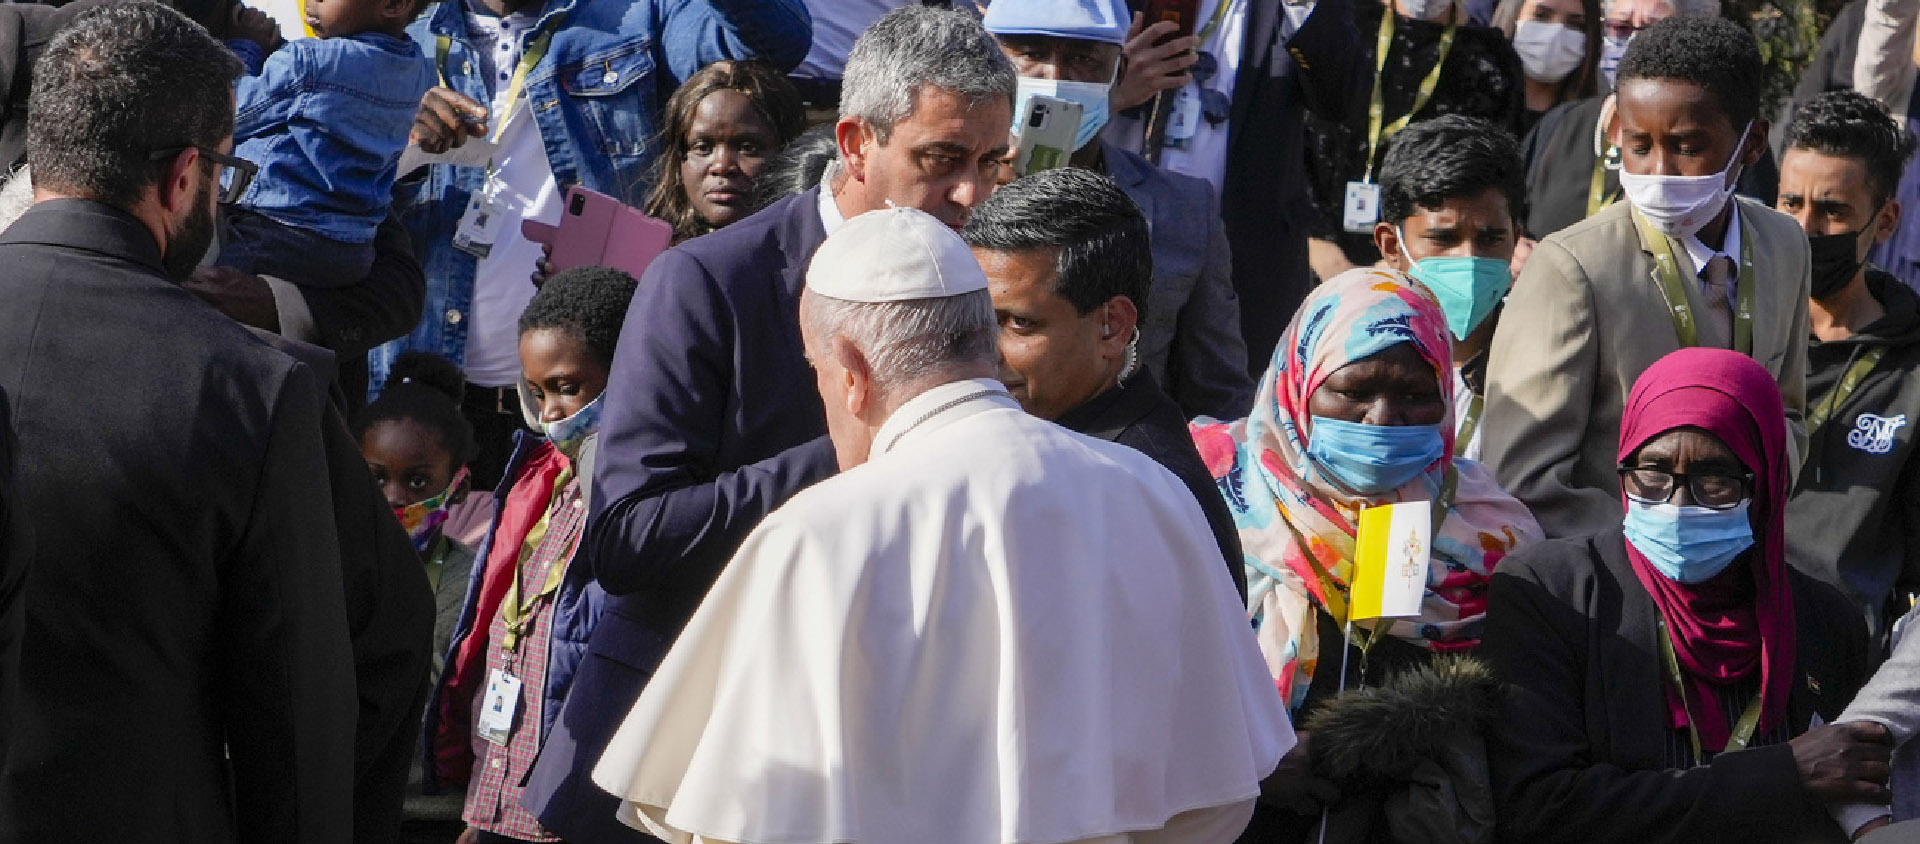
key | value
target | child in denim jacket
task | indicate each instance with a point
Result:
(325, 119)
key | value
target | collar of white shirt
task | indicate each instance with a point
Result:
(830, 218)
(1702, 253)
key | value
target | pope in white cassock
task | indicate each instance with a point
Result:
(986, 630)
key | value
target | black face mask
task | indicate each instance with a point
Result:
(1835, 261)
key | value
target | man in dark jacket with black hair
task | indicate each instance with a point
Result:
(1855, 516)
(1068, 263)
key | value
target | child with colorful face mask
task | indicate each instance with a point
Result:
(1451, 198)
(528, 613)
(417, 444)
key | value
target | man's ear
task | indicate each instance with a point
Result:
(1387, 239)
(176, 189)
(858, 375)
(1887, 221)
(852, 135)
(1118, 324)
(1755, 141)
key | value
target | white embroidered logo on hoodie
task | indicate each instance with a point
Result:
(1874, 434)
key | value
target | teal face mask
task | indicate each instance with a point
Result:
(1469, 289)
(1092, 97)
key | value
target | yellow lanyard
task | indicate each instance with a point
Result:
(534, 53)
(1335, 593)
(1377, 110)
(1742, 733)
(1469, 427)
(516, 612)
(1219, 14)
(1598, 196)
(1674, 290)
(1848, 383)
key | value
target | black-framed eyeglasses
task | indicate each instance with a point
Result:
(1622, 30)
(243, 170)
(1712, 490)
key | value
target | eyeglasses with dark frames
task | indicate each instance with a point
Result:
(243, 170)
(1712, 490)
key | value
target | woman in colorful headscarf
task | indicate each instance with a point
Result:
(1664, 675)
(1355, 410)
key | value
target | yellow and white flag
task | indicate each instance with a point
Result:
(1390, 560)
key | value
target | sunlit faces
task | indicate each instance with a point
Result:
(1395, 386)
(1480, 226)
(562, 374)
(1672, 128)
(1052, 358)
(1829, 195)
(729, 145)
(942, 159)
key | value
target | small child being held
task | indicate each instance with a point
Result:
(325, 119)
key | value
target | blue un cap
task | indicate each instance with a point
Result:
(1086, 20)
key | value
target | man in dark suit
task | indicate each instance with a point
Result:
(186, 673)
(13, 576)
(1067, 262)
(1292, 56)
(712, 416)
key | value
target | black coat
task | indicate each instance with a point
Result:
(13, 577)
(186, 670)
(1266, 203)
(1141, 415)
(1579, 751)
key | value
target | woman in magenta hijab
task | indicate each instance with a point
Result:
(1664, 677)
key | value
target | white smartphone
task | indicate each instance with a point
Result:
(1046, 134)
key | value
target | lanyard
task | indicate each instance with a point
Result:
(1376, 111)
(1673, 290)
(534, 53)
(1335, 593)
(1849, 382)
(1598, 196)
(1468, 428)
(518, 613)
(1219, 14)
(1742, 733)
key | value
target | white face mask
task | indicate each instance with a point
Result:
(1682, 205)
(1549, 51)
(1421, 10)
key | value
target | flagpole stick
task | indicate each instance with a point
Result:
(1346, 647)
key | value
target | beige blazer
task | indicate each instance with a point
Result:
(1585, 318)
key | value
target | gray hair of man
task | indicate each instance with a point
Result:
(914, 47)
(1681, 8)
(911, 345)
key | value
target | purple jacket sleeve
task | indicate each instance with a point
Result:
(667, 509)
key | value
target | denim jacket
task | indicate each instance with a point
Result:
(597, 97)
(326, 120)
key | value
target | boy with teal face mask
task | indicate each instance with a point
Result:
(1451, 201)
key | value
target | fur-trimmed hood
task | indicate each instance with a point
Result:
(1367, 735)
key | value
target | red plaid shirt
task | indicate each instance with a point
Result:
(493, 797)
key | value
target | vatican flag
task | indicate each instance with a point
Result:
(1390, 560)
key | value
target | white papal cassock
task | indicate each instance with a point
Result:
(994, 631)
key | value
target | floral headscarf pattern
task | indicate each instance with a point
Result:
(1281, 500)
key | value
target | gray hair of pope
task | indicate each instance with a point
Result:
(1681, 8)
(916, 47)
(911, 341)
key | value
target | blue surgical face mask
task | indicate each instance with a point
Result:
(1611, 49)
(1688, 544)
(1468, 288)
(567, 434)
(1372, 459)
(1092, 97)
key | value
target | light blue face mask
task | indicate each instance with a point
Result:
(567, 434)
(1372, 459)
(1469, 289)
(1092, 97)
(1688, 544)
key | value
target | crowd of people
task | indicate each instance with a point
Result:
(926, 490)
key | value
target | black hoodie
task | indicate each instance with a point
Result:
(1854, 520)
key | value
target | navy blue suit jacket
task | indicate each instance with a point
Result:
(712, 421)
